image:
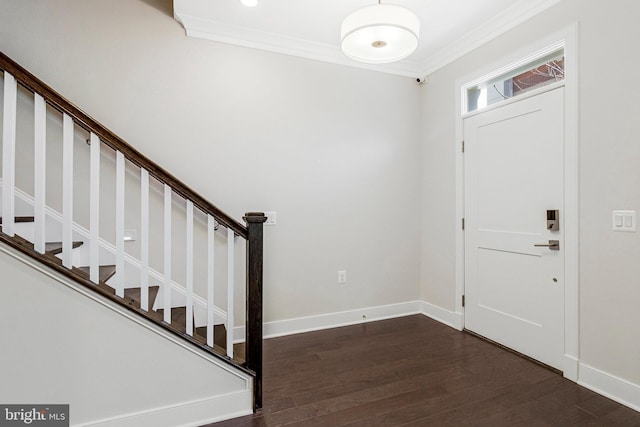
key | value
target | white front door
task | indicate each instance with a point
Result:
(514, 290)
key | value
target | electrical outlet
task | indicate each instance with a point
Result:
(130, 235)
(342, 276)
(271, 218)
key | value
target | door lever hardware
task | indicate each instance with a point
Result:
(553, 245)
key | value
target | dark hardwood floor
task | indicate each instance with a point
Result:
(413, 371)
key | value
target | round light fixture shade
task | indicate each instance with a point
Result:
(249, 3)
(380, 33)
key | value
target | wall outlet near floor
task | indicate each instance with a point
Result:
(130, 235)
(342, 276)
(271, 218)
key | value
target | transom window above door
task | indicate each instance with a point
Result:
(542, 69)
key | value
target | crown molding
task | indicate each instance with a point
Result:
(248, 37)
(221, 32)
(500, 24)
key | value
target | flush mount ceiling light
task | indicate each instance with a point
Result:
(380, 33)
(249, 3)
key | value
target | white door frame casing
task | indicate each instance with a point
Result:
(569, 38)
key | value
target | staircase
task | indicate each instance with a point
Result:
(141, 280)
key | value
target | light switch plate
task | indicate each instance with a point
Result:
(271, 218)
(623, 220)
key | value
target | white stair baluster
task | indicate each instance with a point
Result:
(144, 239)
(9, 154)
(119, 278)
(94, 209)
(189, 267)
(211, 229)
(230, 286)
(39, 171)
(167, 253)
(67, 190)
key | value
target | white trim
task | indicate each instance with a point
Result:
(9, 129)
(300, 325)
(570, 367)
(246, 37)
(209, 29)
(230, 323)
(569, 36)
(444, 316)
(120, 213)
(94, 210)
(189, 267)
(338, 319)
(211, 229)
(39, 172)
(615, 388)
(166, 288)
(571, 202)
(500, 24)
(185, 414)
(144, 239)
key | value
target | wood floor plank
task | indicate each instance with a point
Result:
(414, 371)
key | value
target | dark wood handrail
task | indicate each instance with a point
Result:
(60, 103)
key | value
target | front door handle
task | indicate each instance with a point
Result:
(553, 245)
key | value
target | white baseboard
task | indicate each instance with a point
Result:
(622, 391)
(342, 318)
(299, 325)
(449, 318)
(570, 365)
(352, 317)
(187, 414)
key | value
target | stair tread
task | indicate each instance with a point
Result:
(219, 334)
(135, 294)
(178, 318)
(220, 340)
(55, 248)
(106, 272)
(22, 219)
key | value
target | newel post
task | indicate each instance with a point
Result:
(255, 221)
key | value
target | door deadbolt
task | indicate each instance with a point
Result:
(553, 220)
(553, 245)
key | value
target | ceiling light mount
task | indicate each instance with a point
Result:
(380, 33)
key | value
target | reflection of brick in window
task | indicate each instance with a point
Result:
(547, 73)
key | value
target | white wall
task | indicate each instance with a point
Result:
(609, 156)
(81, 353)
(334, 150)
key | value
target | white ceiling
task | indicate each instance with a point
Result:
(311, 28)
